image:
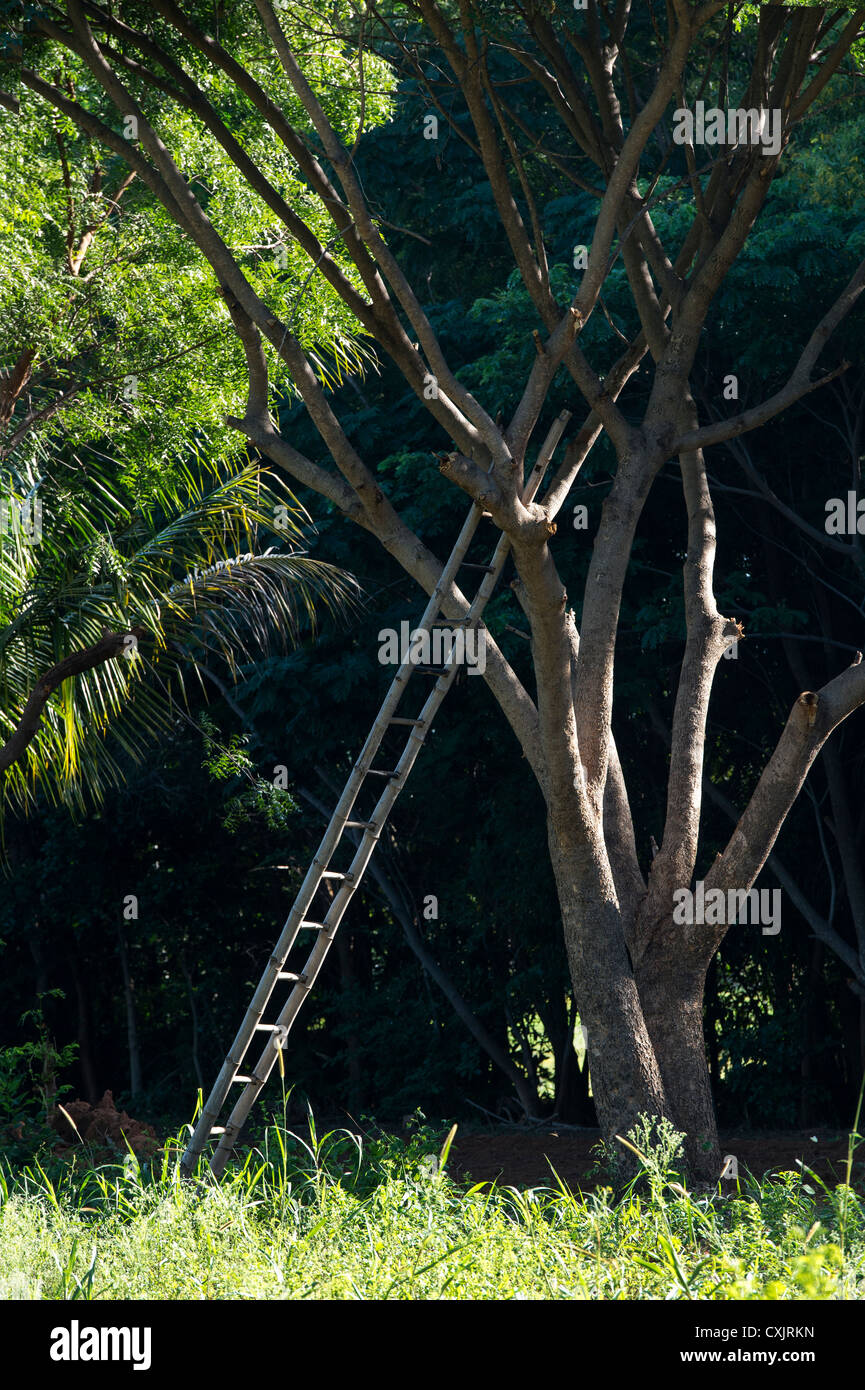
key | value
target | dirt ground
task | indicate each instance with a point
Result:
(515, 1157)
(519, 1159)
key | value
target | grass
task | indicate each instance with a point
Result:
(335, 1217)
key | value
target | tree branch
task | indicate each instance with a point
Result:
(109, 647)
(811, 721)
(707, 636)
(799, 384)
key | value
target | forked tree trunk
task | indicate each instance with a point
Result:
(646, 1043)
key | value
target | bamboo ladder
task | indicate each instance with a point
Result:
(319, 873)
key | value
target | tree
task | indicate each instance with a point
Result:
(126, 516)
(610, 76)
(167, 585)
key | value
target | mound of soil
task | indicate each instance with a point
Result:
(101, 1126)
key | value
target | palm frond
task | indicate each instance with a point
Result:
(187, 568)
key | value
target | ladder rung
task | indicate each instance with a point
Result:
(433, 670)
(380, 772)
(397, 719)
(244, 1079)
(363, 824)
(290, 975)
(267, 1027)
(218, 1129)
(317, 926)
(334, 873)
(468, 565)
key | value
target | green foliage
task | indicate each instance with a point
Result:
(658, 1143)
(29, 1084)
(187, 567)
(31, 1069)
(381, 1037)
(749, 12)
(231, 762)
(151, 516)
(140, 306)
(344, 1216)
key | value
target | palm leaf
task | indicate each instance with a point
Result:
(187, 567)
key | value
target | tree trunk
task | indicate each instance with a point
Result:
(40, 958)
(135, 1082)
(626, 1080)
(193, 1014)
(645, 1032)
(713, 1013)
(85, 1053)
(344, 944)
(846, 1093)
(672, 998)
(573, 1104)
(646, 1045)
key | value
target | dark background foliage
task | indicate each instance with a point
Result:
(785, 1031)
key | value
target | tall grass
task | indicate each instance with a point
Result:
(335, 1216)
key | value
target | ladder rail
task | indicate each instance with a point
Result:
(328, 844)
(332, 920)
(318, 870)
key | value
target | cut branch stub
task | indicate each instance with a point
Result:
(472, 479)
(809, 701)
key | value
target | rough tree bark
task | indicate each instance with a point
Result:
(638, 978)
